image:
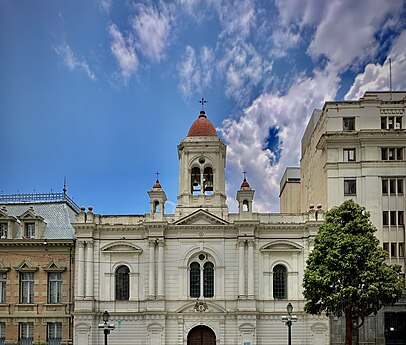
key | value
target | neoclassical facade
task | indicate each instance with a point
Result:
(201, 275)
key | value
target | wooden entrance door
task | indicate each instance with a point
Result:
(201, 335)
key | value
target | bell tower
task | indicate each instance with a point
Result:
(202, 162)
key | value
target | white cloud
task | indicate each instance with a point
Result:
(72, 61)
(105, 5)
(195, 73)
(124, 51)
(244, 69)
(376, 77)
(152, 29)
(246, 136)
(284, 39)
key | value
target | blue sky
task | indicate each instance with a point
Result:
(102, 91)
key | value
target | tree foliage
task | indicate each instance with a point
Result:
(346, 273)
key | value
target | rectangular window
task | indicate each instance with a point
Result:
(2, 332)
(3, 284)
(349, 155)
(348, 123)
(385, 218)
(393, 253)
(350, 187)
(392, 153)
(26, 333)
(27, 287)
(391, 122)
(3, 230)
(392, 186)
(54, 287)
(400, 185)
(29, 230)
(384, 186)
(401, 249)
(401, 220)
(392, 217)
(386, 247)
(54, 333)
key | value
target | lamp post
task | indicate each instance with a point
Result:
(288, 321)
(106, 326)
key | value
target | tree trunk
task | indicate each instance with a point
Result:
(348, 328)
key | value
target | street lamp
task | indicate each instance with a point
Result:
(106, 326)
(288, 321)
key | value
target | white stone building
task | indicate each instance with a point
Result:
(356, 150)
(199, 276)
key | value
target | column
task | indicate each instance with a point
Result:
(241, 264)
(251, 268)
(151, 292)
(89, 271)
(81, 270)
(161, 269)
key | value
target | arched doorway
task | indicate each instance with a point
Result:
(201, 335)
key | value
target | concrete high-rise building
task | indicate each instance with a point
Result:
(356, 150)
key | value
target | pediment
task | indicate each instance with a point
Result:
(54, 266)
(3, 268)
(29, 214)
(201, 217)
(281, 246)
(193, 307)
(26, 266)
(121, 247)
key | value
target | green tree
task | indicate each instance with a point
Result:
(346, 273)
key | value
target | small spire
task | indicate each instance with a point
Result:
(157, 176)
(245, 175)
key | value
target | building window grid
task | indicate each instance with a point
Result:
(208, 279)
(26, 333)
(392, 185)
(54, 287)
(3, 230)
(54, 333)
(393, 218)
(198, 272)
(279, 282)
(2, 332)
(27, 287)
(195, 279)
(391, 122)
(122, 283)
(392, 153)
(3, 285)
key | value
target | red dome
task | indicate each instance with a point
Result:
(202, 127)
(245, 185)
(157, 185)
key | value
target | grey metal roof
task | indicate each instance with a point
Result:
(58, 217)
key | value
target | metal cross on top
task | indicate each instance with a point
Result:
(245, 174)
(202, 102)
(157, 175)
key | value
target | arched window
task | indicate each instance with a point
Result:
(195, 180)
(208, 180)
(122, 283)
(201, 277)
(245, 206)
(194, 279)
(156, 206)
(279, 282)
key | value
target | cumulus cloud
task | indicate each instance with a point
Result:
(246, 137)
(243, 68)
(195, 72)
(124, 51)
(152, 28)
(376, 77)
(72, 61)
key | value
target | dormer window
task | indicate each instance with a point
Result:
(29, 230)
(3, 230)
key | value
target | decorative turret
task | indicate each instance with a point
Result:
(157, 201)
(202, 160)
(244, 197)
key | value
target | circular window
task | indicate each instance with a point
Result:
(202, 257)
(202, 160)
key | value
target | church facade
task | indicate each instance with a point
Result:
(202, 275)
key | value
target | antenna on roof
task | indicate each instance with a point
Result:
(64, 185)
(390, 77)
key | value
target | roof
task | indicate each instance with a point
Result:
(202, 127)
(245, 184)
(58, 217)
